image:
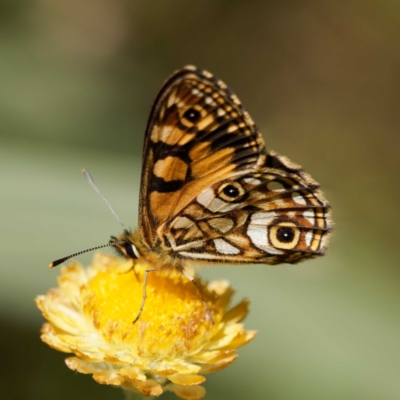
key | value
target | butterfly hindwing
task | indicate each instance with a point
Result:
(268, 216)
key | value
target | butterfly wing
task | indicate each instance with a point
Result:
(198, 133)
(270, 216)
(209, 190)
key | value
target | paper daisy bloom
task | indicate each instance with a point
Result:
(172, 345)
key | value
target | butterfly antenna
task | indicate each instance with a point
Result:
(61, 260)
(94, 186)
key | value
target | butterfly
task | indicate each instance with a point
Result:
(211, 193)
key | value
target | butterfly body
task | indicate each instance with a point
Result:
(130, 245)
(211, 193)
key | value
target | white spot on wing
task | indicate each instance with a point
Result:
(275, 186)
(235, 99)
(298, 198)
(248, 119)
(309, 216)
(308, 238)
(279, 202)
(220, 112)
(262, 218)
(258, 231)
(221, 224)
(222, 206)
(221, 84)
(252, 181)
(205, 197)
(258, 235)
(182, 223)
(208, 200)
(224, 247)
(197, 256)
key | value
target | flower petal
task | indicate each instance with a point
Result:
(85, 367)
(188, 392)
(108, 378)
(225, 336)
(208, 369)
(223, 289)
(50, 337)
(241, 339)
(237, 313)
(187, 379)
(148, 387)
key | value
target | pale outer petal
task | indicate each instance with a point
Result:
(187, 379)
(237, 313)
(148, 387)
(188, 392)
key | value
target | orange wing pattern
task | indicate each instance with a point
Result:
(198, 133)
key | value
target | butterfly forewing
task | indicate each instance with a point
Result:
(209, 190)
(198, 133)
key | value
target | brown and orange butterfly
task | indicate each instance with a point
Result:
(210, 193)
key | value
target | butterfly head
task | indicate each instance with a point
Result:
(125, 245)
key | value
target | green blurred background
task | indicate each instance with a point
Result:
(322, 81)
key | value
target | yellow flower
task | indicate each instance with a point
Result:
(170, 347)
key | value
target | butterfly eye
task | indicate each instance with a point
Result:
(232, 191)
(131, 250)
(285, 235)
(192, 115)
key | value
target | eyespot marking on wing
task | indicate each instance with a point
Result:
(284, 235)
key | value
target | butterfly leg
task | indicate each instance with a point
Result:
(191, 279)
(144, 293)
(135, 272)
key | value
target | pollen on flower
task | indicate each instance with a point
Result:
(170, 347)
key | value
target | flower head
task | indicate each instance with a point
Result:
(170, 347)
